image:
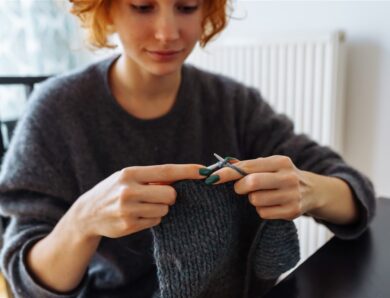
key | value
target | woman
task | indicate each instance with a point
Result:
(91, 168)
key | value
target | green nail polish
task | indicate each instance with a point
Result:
(212, 179)
(205, 171)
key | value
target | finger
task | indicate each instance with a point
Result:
(162, 173)
(232, 160)
(159, 183)
(259, 182)
(146, 210)
(145, 223)
(287, 212)
(268, 198)
(227, 173)
(258, 165)
(154, 194)
(253, 182)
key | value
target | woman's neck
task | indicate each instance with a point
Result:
(142, 94)
(138, 84)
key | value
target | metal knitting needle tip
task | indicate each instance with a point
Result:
(221, 162)
(224, 161)
(219, 157)
(228, 164)
(214, 166)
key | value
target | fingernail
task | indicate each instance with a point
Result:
(205, 171)
(212, 179)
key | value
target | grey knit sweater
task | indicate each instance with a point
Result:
(74, 134)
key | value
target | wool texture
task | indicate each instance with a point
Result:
(200, 250)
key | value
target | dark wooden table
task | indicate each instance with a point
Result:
(345, 269)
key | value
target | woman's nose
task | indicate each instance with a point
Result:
(167, 28)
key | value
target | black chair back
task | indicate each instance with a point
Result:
(7, 127)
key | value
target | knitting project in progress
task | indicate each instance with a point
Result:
(212, 243)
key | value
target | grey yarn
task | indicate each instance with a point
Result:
(200, 251)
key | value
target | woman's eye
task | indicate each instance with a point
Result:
(188, 9)
(148, 8)
(142, 8)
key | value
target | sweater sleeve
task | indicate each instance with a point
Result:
(21, 235)
(36, 189)
(269, 133)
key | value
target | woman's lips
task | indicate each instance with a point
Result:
(164, 55)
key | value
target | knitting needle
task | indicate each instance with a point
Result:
(225, 162)
(215, 166)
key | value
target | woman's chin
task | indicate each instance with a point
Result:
(164, 69)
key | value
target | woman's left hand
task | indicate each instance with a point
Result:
(274, 185)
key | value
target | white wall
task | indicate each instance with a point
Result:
(367, 27)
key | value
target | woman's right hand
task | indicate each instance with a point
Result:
(128, 201)
(131, 200)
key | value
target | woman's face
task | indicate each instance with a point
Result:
(157, 35)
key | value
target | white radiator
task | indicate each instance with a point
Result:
(301, 76)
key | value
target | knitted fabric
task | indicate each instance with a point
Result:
(201, 250)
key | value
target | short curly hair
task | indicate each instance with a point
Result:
(94, 16)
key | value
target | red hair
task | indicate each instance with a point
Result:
(94, 16)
